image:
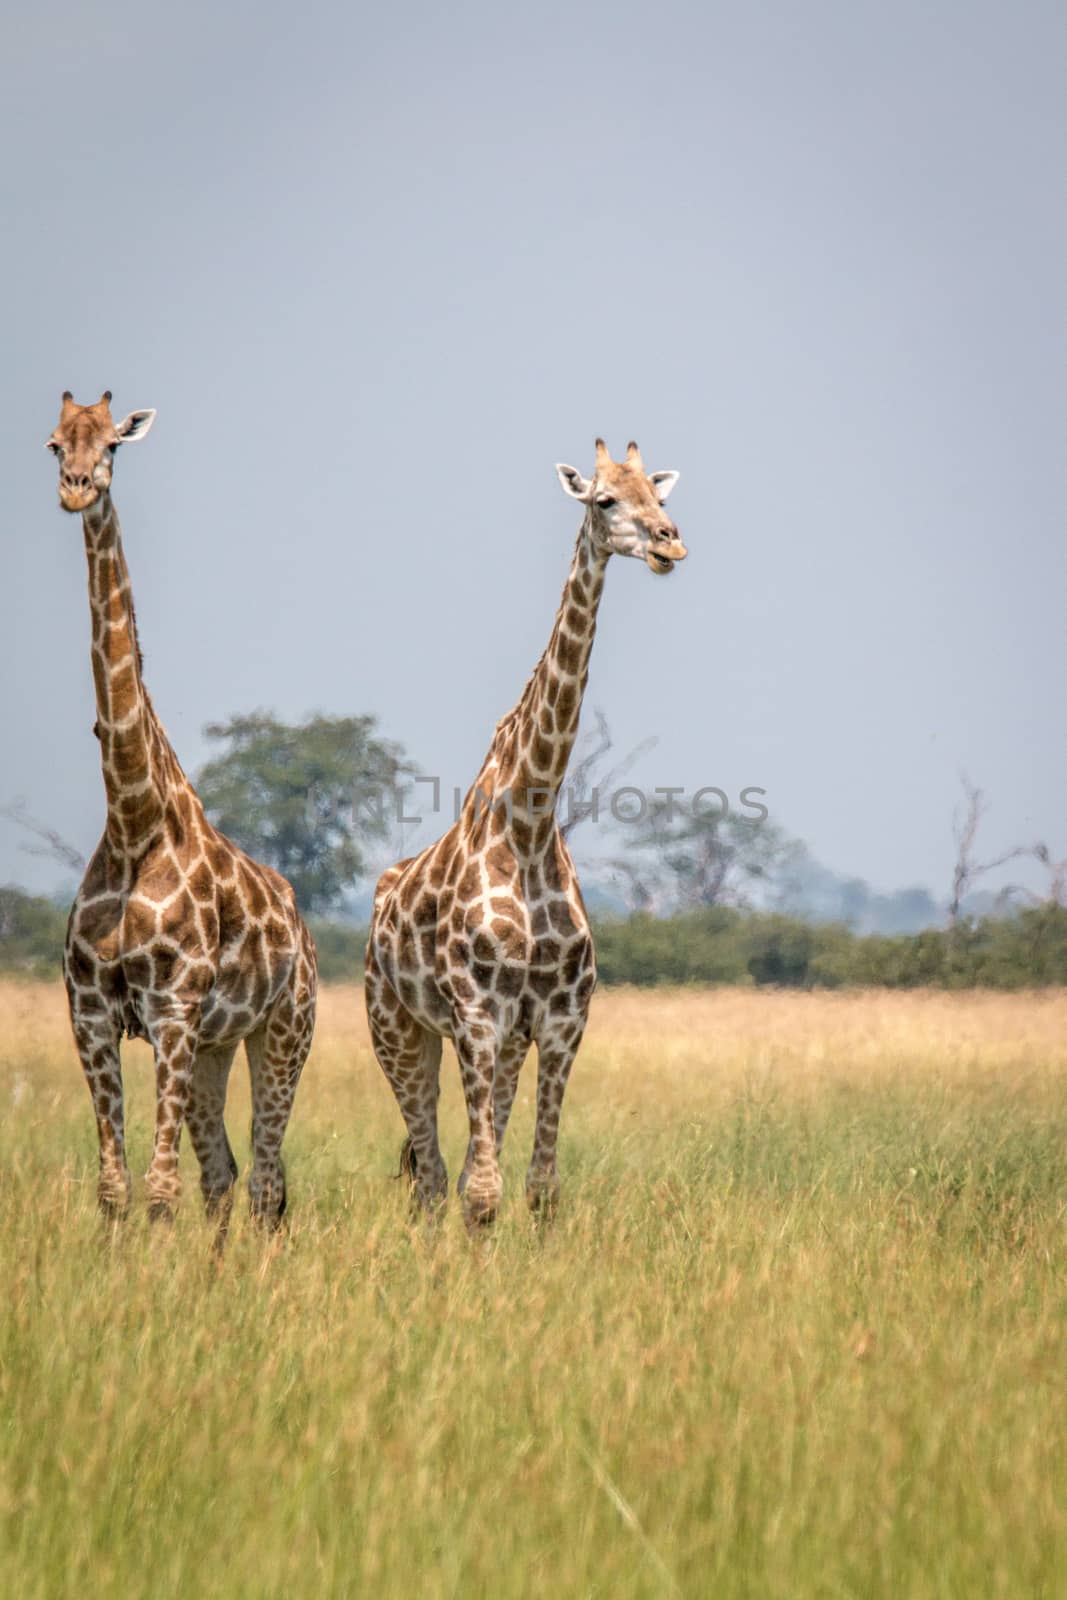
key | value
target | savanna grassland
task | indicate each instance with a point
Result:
(799, 1330)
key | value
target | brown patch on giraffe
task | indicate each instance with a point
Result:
(462, 986)
(175, 824)
(573, 965)
(561, 915)
(81, 967)
(209, 927)
(253, 892)
(570, 654)
(235, 985)
(127, 756)
(567, 703)
(201, 883)
(470, 884)
(510, 982)
(498, 823)
(100, 919)
(138, 972)
(140, 924)
(499, 864)
(407, 948)
(232, 921)
(542, 752)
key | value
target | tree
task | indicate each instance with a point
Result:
(31, 933)
(1057, 874)
(968, 871)
(305, 798)
(591, 778)
(682, 856)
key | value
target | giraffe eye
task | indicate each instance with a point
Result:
(606, 501)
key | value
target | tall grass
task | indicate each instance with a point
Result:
(798, 1331)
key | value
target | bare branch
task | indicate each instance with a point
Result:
(54, 846)
(968, 871)
(586, 783)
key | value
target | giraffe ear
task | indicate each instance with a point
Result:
(574, 484)
(663, 483)
(134, 427)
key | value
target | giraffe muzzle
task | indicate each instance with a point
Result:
(661, 558)
(77, 498)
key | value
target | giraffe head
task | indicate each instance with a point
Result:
(626, 514)
(84, 443)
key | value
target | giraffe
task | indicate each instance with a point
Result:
(175, 935)
(483, 938)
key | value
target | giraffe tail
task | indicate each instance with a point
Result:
(408, 1162)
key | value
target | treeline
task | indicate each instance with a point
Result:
(716, 945)
(722, 945)
(32, 930)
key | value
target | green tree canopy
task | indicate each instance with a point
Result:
(304, 798)
(681, 855)
(31, 933)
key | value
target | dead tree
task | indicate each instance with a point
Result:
(588, 782)
(968, 870)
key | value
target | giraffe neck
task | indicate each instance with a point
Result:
(138, 764)
(528, 758)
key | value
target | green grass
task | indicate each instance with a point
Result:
(799, 1330)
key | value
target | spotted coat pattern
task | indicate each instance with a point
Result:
(483, 939)
(175, 935)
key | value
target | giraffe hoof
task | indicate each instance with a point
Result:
(218, 1204)
(543, 1201)
(480, 1221)
(269, 1220)
(479, 1210)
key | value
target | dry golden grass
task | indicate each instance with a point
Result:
(799, 1330)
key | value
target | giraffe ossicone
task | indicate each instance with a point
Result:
(483, 937)
(175, 935)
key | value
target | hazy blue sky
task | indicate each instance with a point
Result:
(379, 268)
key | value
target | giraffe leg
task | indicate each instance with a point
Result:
(410, 1057)
(276, 1055)
(207, 1130)
(97, 1042)
(505, 1082)
(555, 1057)
(480, 1185)
(174, 1040)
